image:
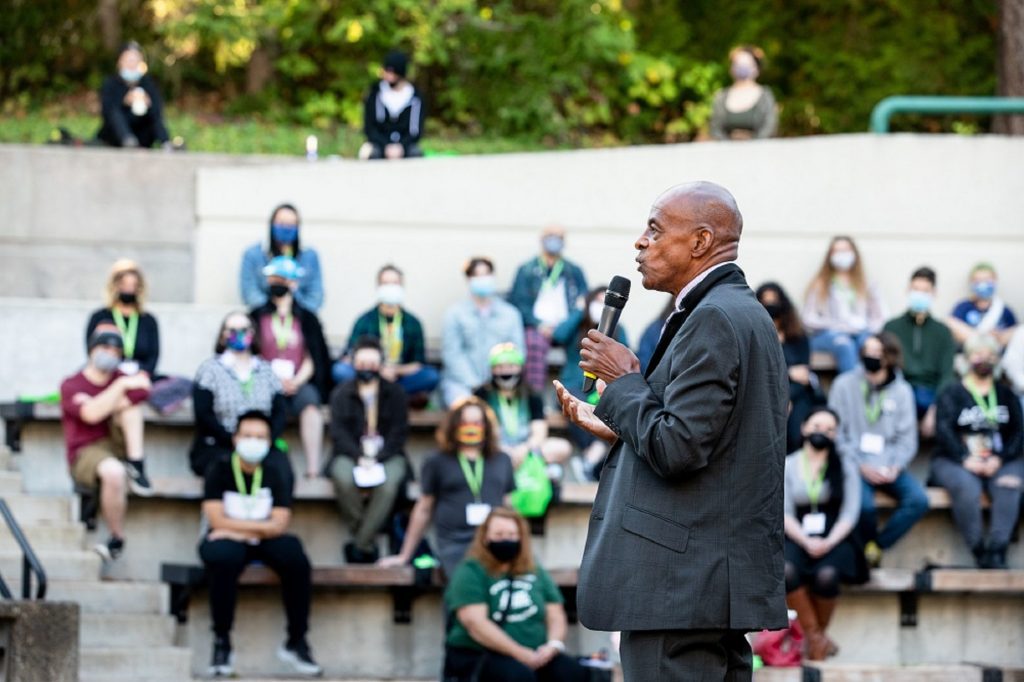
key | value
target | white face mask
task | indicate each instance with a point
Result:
(390, 294)
(843, 260)
(252, 450)
(594, 310)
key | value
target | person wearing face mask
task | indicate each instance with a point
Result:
(841, 307)
(103, 432)
(234, 381)
(393, 113)
(459, 484)
(472, 328)
(822, 550)
(545, 291)
(804, 390)
(878, 431)
(401, 336)
(508, 622)
(247, 508)
(131, 104)
(520, 411)
(983, 311)
(978, 448)
(581, 320)
(746, 109)
(125, 308)
(282, 240)
(292, 340)
(369, 426)
(928, 347)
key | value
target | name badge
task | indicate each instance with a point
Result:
(872, 443)
(476, 513)
(369, 476)
(282, 368)
(814, 524)
(129, 367)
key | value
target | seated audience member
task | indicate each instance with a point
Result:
(292, 341)
(978, 440)
(983, 311)
(282, 240)
(126, 296)
(471, 329)
(822, 503)
(507, 619)
(520, 411)
(393, 113)
(459, 484)
(652, 334)
(131, 105)
(234, 381)
(1013, 362)
(746, 109)
(928, 347)
(545, 290)
(246, 511)
(401, 338)
(804, 393)
(878, 432)
(369, 425)
(103, 428)
(569, 334)
(842, 307)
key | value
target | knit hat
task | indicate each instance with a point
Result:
(506, 354)
(398, 62)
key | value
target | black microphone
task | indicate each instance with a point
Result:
(615, 297)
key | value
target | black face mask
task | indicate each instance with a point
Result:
(507, 381)
(819, 441)
(279, 290)
(774, 310)
(504, 550)
(365, 376)
(128, 298)
(983, 369)
(871, 365)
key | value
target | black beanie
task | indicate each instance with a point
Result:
(398, 62)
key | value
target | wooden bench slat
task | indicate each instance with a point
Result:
(976, 580)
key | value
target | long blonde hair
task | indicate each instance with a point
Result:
(119, 269)
(819, 286)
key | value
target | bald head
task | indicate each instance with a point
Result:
(712, 205)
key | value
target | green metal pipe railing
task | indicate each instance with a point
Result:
(918, 104)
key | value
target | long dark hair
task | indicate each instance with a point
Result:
(275, 248)
(787, 321)
(221, 345)
(834, 471)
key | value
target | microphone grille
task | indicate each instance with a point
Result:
(618, 292)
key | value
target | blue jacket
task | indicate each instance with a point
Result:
(253, 283)
(529, 278)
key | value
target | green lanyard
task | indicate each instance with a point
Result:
(813, 487)
(989, 408)
(509, 411)
(556, 272)
(872, 408)
(282, 330)
(474, 476)
(129, 332)
(391, 337)
(257, 477)
(246, 385)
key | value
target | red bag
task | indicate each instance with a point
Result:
(781, 648)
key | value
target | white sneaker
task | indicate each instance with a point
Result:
(300, 659)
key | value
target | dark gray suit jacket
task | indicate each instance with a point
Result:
(686, 531)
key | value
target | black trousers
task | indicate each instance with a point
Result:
(226, 559)
(685, 656)
(460, 663)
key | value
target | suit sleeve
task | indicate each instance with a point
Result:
(676, 429)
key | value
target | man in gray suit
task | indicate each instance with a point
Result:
(684, 550)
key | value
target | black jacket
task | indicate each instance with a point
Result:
(316, 345)
(348, 420)
(382, 128)
(118, 120)
(147, 341)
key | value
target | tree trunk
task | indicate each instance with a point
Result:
(109, 15)
(259, 71)
(1010, 69)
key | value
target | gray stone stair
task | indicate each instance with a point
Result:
(126, 629)
(134, 663)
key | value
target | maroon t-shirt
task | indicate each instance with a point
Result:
(78, 433)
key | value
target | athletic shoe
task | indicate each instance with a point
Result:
(138, 483)
(222, 663)
(300, 659)
(110, 550)
(873, 554)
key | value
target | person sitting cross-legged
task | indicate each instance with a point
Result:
(247, 510)
(103, 427)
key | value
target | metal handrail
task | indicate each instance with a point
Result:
(920, 104)
(29, 561)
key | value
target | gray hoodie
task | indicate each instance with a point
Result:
(892, 439)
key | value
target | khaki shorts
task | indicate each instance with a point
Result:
(87, 462)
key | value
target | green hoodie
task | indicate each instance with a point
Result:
(928, 350)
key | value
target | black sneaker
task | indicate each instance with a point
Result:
(138, 483)
(298, 656)
(222, 663)
(110, 550)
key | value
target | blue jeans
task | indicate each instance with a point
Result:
(845, 348)
(912, 504)
(924, 398)
(423, 381)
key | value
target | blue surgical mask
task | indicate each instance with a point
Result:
(919, 301)
(130, 75)
(284, 234)
(985, 289)
(483, 286)
(742, 72)
(552, 244)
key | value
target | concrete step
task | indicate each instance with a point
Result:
(45, 537)
(850, 672)
(133, 663)
(147, 630)
(112, 597)
(10, 483)
(38, 509)
(81, 565)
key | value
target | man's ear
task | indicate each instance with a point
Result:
(704, 237)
